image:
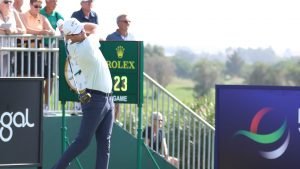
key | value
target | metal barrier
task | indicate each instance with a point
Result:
(188, 137)
(34, 56)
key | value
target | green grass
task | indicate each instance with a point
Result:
(182, 89)
(234, 81)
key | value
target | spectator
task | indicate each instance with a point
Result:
(18, 5)
(53, 16)
(154, 138)
(85, 14)
(49, 12)
(10, 17)
(10, 23)
(121, 34)
(36, 24)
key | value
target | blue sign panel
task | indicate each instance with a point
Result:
(257, 127)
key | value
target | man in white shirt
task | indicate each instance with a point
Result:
(98, 114)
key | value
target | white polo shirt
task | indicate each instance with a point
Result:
(92, 63)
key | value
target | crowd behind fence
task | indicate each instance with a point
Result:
(34, 56)
(189, 138)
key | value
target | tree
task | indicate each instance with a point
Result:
(234, 65)
(264, 74)
(152, 51)
(266, 55)
(160, 68)
(157, 65)
(292, 66)
(183, 66)
(205, 74)
(205, 107)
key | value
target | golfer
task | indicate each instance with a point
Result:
(98, 114)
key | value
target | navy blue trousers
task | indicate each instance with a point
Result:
(97, 119)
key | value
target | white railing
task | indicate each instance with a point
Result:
(189, 138)
(34, 56)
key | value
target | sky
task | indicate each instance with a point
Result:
(203, 25)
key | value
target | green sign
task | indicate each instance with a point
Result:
(125, 60)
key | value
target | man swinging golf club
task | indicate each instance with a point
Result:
(98, 113)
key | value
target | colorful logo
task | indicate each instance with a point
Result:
(270, 138)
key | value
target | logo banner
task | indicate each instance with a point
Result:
(257, 127)
(20, 121)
